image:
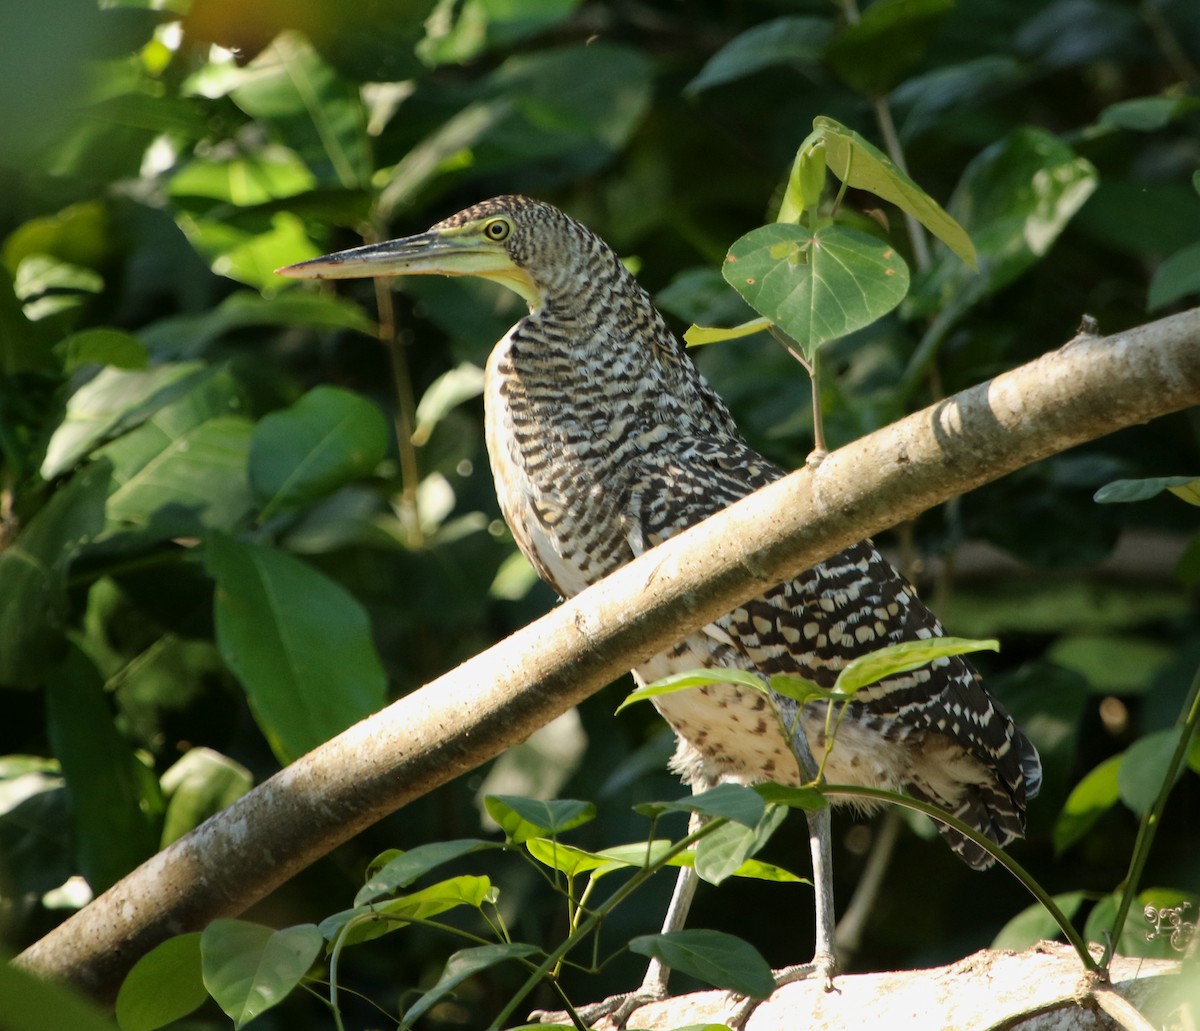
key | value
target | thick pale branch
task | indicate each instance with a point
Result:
(1090, 387)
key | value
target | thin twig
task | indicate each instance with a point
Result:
(406, 406)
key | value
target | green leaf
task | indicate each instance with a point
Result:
(1144, 768)
(115, 801)
(184, 467)
(249, 254)
(1185, 487)
(1090, 799)
(189, 335)
(298, 642)
(569, 860)
(200, 784)
(33, 570)
(289, 87)
(525, 818)
(697, 336)
(902, 658)
(446, 393)
(731, 801)
(1015, 198)
(803, 691)
(481, 25)
(878, 51)
(714, 957)
(693, 678)
(808, 799)
(249, 968)
(1035, 924)
(862, 166)
(405, 867)
(1109, 662)
(464, 964)
(1176, 278)
(25, 346)
(726, 850)
(806, 183)
(251, 178)
(101, 347)
(114, 402)
(789, 40)
(365, 923)
(1147, 114)
(325, 440)
(34, 1004)
(816, 286)
(642, 854)
(165, 985)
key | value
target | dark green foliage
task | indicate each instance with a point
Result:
(233, 522)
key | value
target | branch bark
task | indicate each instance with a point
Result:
(1086, 389)
(1040, 989)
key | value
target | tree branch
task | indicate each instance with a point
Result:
(1090, 387)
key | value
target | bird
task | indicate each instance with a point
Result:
(605, 440)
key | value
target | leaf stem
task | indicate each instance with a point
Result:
(593, 920)
(990, 847)
(406, 406)
(1188, 718)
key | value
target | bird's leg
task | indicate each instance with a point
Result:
(820, 844)
(619, 1008)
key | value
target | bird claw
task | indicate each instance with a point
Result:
(822, 967)
(615, 1010)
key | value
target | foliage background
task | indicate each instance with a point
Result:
(160, 160)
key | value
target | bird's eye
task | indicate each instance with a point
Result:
(497, 230)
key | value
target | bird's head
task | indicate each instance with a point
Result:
(520, 243)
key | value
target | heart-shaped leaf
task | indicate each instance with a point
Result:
(816, 286)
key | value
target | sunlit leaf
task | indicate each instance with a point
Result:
(714, 957)
(816, 286)
(863, 166)
(697, 336)
(903, 658)
(1185, 487)
(1015, 198)
(405, 867)
(524, 818)
(693, 678)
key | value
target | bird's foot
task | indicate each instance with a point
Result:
(611, 1013)
(822, 968)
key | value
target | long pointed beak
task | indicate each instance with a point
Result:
(425, 254)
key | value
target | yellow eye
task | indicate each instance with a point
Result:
(497, 230)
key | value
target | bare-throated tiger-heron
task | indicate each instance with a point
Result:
(605, 440)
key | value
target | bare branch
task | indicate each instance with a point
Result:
(1090, 387)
